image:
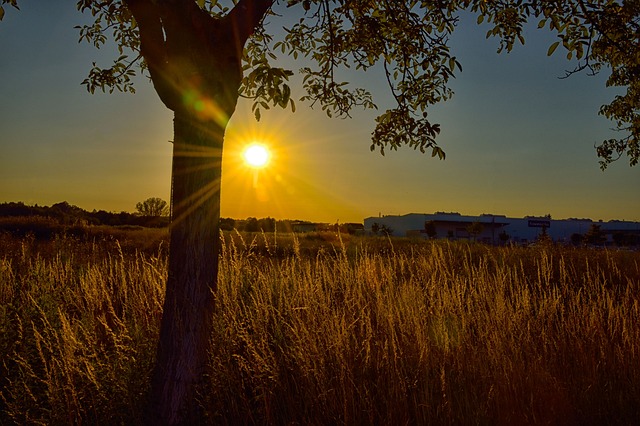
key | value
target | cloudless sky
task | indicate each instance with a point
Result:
(519, 140)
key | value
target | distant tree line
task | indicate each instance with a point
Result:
(153, 213)
(597, 237)
(68, 214)
(269, 224)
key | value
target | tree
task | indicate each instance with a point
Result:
(595, 235)
(430, 229)
(543, 238)
(576, 239)
(475, 229)
(227, 224)
(606, 34)
(154, 207)
(386, 230)
(251, 225)
(202, 54)
(619, 239)
(267, 224)
(375, 228)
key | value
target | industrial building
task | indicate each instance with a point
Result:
(499, 229)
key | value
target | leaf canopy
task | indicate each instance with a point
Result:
(408, 40)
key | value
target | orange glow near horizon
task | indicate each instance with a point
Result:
(292, 185)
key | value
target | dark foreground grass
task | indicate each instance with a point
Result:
(325, 330)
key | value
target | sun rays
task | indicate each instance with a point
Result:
(276, 167)
(289, 184)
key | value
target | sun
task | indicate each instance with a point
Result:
(256, 155)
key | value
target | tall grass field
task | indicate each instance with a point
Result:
(328, 330)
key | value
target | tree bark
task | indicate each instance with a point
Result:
(193, 268)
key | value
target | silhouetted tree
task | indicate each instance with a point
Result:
(386, 230)
(267, 224)
(227, 224)
(543, 237)
(154, 207)
(576, 239)
(619, 239)
(284, 226)
(475, 229)
(595, 235)
(17, 209)
(430, 229)
(252, 225)
(66, 213)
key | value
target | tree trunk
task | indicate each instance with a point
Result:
(186, 325)
(194, 60)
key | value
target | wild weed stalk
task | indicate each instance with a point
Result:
(331, 331)
(431, 334)
(78, 333)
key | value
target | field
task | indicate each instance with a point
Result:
(326, 329)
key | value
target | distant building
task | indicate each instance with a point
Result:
(300, 226)
(496, 229)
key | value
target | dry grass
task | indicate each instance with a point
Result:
(332, 331)
(78, 331)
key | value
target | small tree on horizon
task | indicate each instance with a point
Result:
(153, 207)
(543, 237)
(595, 235)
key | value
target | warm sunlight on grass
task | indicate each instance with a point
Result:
(326, 328)
(256, 155)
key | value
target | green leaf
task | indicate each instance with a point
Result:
(480, 19)
(553, 48)
(436, 150)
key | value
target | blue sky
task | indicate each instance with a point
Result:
(519, 140)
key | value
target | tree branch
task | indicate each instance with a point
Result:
(152, 45)
(243, 19)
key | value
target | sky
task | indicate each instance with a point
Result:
(519, 140)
